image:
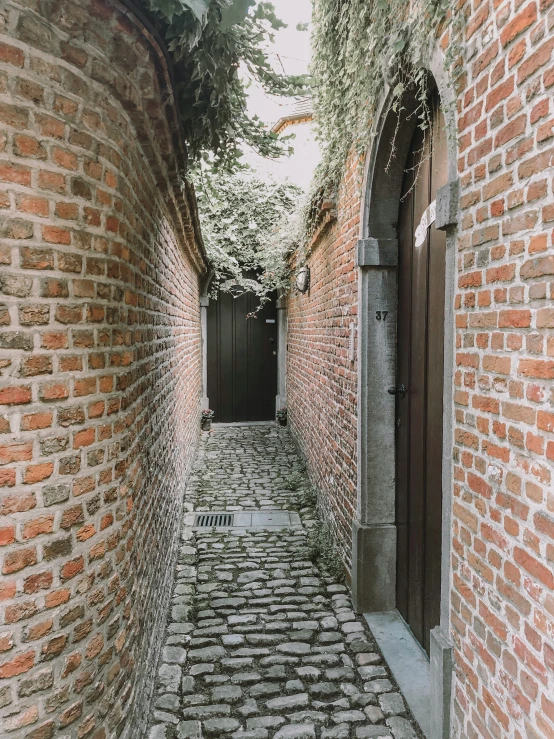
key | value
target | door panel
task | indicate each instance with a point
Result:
(237, 374)
(420, 369)
(242, 358)
(435, 373)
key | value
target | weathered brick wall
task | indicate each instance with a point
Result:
(502, 598)
(503, 536)
(99, 362)
(321, 379)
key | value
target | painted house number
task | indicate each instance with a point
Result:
(381, 315)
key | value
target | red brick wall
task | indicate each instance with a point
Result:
(99, 362)
(502, 597)
(321, 379)
(503, 535)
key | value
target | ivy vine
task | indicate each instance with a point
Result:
(209, 42)
(359, 46)
(247, 230)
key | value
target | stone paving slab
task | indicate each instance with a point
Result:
(261, 642)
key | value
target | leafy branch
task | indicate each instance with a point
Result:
(210, 42)
(359, 46)
(248, 227)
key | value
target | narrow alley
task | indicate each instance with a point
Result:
(325, 227)
(261, 641)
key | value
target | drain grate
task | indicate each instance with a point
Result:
(257, 519)
(208, 520)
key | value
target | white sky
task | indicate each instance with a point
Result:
(291, 53)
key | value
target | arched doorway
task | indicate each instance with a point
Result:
(401, 533)
(419, 380)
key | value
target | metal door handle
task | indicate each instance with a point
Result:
(400, 390)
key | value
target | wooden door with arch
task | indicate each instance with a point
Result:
(420, 360)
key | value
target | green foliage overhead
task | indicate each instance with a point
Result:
(359, 46)
(209, 40)
(248, 228)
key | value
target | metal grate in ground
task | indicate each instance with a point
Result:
(277, 519)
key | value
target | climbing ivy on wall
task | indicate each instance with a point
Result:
(359, 46)
(246, 228)
(209, 40)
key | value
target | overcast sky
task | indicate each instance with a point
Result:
(291, 52)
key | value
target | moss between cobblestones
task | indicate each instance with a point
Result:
(321, 542)
(295, 481)
(322, 547)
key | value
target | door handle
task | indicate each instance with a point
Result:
(400, 390)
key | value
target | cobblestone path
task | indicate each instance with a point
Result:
(261, 642)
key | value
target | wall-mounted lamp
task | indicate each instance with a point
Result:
(303, 279)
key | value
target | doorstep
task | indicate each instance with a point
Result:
(407, 662)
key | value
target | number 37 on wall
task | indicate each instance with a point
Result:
(381, 315)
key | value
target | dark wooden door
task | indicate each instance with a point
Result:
(421, 284)
(242, 358)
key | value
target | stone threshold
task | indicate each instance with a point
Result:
(272, 520)
(407, 662)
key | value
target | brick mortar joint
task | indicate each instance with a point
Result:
(161, 51)
(178, 189)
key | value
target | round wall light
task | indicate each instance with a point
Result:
(303, 279)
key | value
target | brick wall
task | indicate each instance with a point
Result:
(503, 535)
(502, 597)
(99, 363)
(321, 379)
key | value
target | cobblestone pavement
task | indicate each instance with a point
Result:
(261, 642)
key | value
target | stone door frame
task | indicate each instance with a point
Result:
(374, 530)
(282, 329)
(204, 303)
